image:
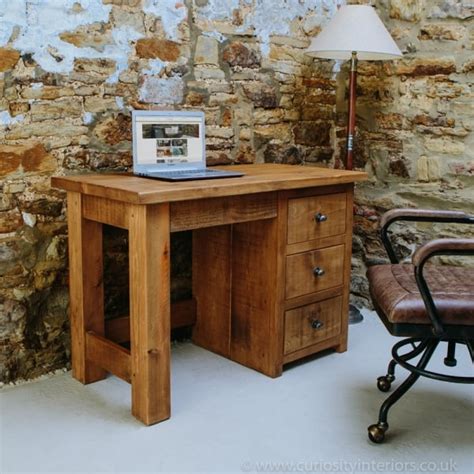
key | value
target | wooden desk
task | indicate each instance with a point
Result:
(271, 269)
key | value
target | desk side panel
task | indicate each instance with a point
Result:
(212, 250)
(342, 346)
(257, 294)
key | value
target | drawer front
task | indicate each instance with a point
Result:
(311, 324)
(315, 217)
(313, 271)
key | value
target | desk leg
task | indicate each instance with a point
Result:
(86, 288)
(149, 248)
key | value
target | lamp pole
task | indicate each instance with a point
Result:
(352, 110)
(355, 315)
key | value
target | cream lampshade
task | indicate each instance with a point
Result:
(354, 28)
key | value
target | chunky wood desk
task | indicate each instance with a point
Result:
(271, 269)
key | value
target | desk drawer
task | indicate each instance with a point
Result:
(312, 324)
(316, 217)
(313, 271)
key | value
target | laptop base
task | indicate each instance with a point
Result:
(191, 175)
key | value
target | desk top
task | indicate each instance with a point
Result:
(258, 178)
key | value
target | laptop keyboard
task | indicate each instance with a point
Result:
(188, 172)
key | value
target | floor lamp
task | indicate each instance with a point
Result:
(354, 33)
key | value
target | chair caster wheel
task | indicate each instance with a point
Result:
(377, 432)
(450, 361)
(384, 383)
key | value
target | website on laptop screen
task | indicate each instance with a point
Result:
(162, 140)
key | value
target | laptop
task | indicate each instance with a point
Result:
(170, 145)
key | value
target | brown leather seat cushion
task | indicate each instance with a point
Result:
(395, 292)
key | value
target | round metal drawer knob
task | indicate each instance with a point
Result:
(318, 272)
(316, 324)
(320, 217)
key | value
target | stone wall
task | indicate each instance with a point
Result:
(415, 126)
(71, 71)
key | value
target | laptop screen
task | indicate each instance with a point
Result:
(168, 139)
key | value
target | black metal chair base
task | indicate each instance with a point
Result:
(425, 347)
(355, 316)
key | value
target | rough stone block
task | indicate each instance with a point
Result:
(42, 206)
(222, 99)
(460, 9)
(262, 95)
(208, 73)
(318, 112)
(445, 145)
(263, 116)
(219, 132)
(312, 133)
(8, 58)
(12, 320)
(319, 83)
(217, 157)
(318, 154)
(207, 51)
(246, 154)
(429, 121)
(46, 128)
(96, 103)
(442, 31)
(238, 54)
(195, 98)
(287, 154)
(462, 168)
(468, 66)
(301, 43)
(279, 131)
(320, 97)
(398, 167)
(425, 67)
(288, 53)
(10, 221)
(68, 106)
(18, 108)
(14, 187)
(408, 10)
(156, 48)
(94, 36)
(101, 66)
(245, 134)
(164, 91)
(31, 158)
(115, 129)
(226, 117)
(38, 91)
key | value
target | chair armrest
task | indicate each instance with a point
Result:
(427, 215)
(419, 215)
(422, 255)
(442, 247)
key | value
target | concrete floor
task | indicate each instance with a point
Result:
(226, 418)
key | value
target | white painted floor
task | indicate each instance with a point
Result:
(226, 418)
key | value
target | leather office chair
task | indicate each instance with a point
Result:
(426, 303)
